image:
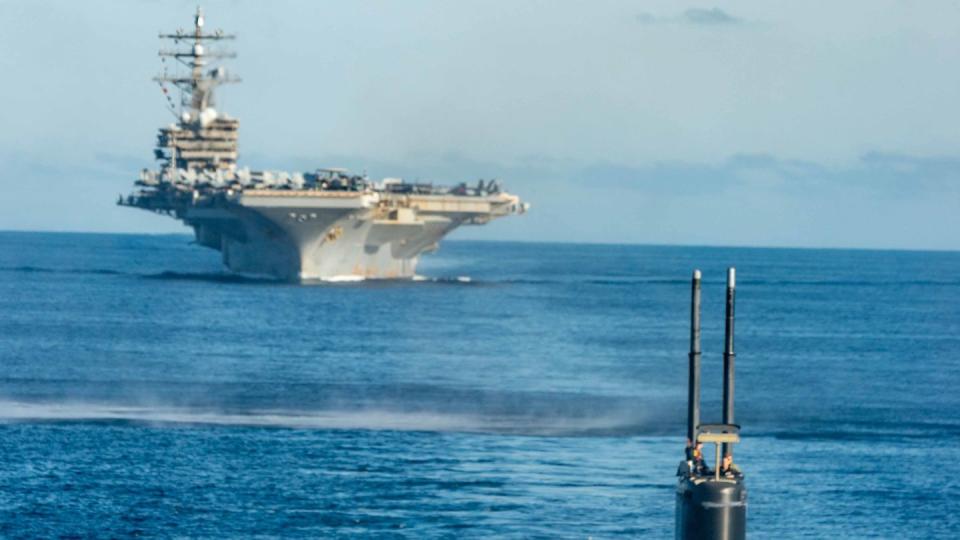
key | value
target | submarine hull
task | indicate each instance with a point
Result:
(709, 509)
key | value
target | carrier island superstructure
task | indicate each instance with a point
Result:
(321, 224)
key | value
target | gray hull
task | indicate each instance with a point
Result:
(302, 236)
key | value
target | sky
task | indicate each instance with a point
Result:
(746, 123)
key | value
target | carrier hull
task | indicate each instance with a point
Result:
(315, 235)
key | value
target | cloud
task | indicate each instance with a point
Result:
(695, 16)
(709, 16)
(881, 200)
(648, 18)
(882, 175)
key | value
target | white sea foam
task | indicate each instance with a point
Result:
(368, 419)
(343, 279)
(460, 279)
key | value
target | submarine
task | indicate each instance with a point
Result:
(711, 502)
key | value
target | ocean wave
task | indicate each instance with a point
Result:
(41, 270)
(851, 283)
(212, 277)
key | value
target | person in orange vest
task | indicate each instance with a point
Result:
(695, 465)
(699, 465)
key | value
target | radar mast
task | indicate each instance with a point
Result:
(203, 140)
(204, 77)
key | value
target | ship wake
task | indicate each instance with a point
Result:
(613, 423)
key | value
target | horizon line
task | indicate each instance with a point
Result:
(558, 242)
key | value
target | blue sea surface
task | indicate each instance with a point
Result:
(518, 390)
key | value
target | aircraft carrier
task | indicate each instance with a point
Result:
(325, 224)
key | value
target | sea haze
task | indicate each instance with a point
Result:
(516, 390)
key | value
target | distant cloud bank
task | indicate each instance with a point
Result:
(882, 174)
(709, 16)
(695, 16)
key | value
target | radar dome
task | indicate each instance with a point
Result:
(207, 116)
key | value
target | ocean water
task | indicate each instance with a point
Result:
(516, 391)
